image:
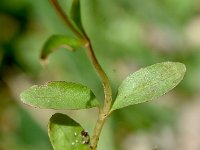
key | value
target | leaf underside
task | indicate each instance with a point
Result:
(149, 83)
(67, 134)
(59, 41)
(60, 95)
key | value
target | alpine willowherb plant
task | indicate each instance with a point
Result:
(144, 85)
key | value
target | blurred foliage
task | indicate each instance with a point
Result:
(143, 117)
(127, 35)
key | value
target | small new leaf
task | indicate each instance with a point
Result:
(75, 14)
(66, 134)
(59, 41)
(149, 83)
(60, 95)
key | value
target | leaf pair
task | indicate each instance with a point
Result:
(60, 41)
(144, 85)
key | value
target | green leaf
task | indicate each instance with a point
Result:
(75, 14)
(59, 95)
(149, 83)
(66, 134)
(59, 41)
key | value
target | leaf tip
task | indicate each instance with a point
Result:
(23, 94)
(181, 68)
(184, 69)
(44, 61)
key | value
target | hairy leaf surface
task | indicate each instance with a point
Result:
(149, 83)
(60, 95)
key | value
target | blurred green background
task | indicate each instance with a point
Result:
(127, 35)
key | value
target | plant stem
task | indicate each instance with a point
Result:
(104, 112)
(66, 18)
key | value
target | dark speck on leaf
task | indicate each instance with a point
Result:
(84, 133)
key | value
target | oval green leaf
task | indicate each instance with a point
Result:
(59, 41)
(67, 134)
(59, 95)
(149, 83)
